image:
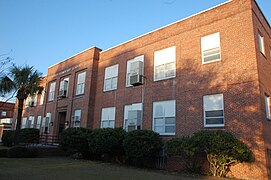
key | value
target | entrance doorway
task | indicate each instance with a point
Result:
(61, 121)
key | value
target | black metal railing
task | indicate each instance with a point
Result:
(49, 139)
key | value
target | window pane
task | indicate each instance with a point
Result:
(158, 110)
(212, 58)
(170, 129)
(170, 120)
(159, 121)
(214, 113)
(114, 82)
(107, 84)
(214, 121)
(159, 129)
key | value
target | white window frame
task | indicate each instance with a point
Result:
(109, 76)
(261, 42)
(24, 123)
(3, 113)
(39, 122)
(206, 109)
(63, 86)
(128, 69)
(80, 84)
(31, 121)
(107, 115)
(131, 107)
(207, 46)
(77, 113)
(267, 106)
(164, 116)
(42, 97)
(47, 123)
(163, 58)
(51, 95)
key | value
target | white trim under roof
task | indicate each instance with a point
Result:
(72, 56)
(168, 25)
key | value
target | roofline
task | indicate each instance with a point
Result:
(167, 25)
(73, 56)
(262, 14)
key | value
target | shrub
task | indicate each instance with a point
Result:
(74, 141)
(29, 135)
(3, 152)
(7, 138)
(22, 152)
(187, 150)
(142, 147)
(107, 143)
(222, 149)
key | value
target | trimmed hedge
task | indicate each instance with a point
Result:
(22, 152)
(7, 138)
(29, 136)
(75, 141)
(3, 152)
(142, 147)
(107, 143)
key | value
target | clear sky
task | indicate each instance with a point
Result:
(41, 33)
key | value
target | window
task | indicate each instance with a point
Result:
(38, 122)
(24, 123)
(63, 87)
(261, 42)
(210, 48)
(80, 86)
(42, 97)
(165, 63)
(111, 78)
(31, 101)
(108, 117)
(52, 91)
(164, 117)
(47, 123)
(76, 118)
(213, 110)
(3, 113)
(31, 121)
(134, 67)
(267, 106)
(134, 122)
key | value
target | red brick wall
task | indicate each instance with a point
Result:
(242, 76)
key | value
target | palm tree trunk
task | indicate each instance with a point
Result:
(19, 121)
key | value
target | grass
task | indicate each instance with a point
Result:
(66, 168)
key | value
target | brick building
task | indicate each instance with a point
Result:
(6, 116)
(208, 71)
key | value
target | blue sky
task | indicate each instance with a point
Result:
(41, 33)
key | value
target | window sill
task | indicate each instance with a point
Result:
(214, 126)
(211, 61)
(155, 80)
(109, 90)
(263, 54)
(167, 134)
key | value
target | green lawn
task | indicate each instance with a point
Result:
(65, 168)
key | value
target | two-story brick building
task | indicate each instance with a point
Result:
(208, 71)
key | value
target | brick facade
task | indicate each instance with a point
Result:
(242, 76)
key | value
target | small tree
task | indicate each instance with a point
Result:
(24, 81)
(222, 149)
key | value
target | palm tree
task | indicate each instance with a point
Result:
(22, 81)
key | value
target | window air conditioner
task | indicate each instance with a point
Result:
(62, 93)
(31, 103)
(136, 79)
(134, 120)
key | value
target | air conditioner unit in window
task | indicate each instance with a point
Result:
(31, 103)
(134, 120)
(62, 93)
(136, 79)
